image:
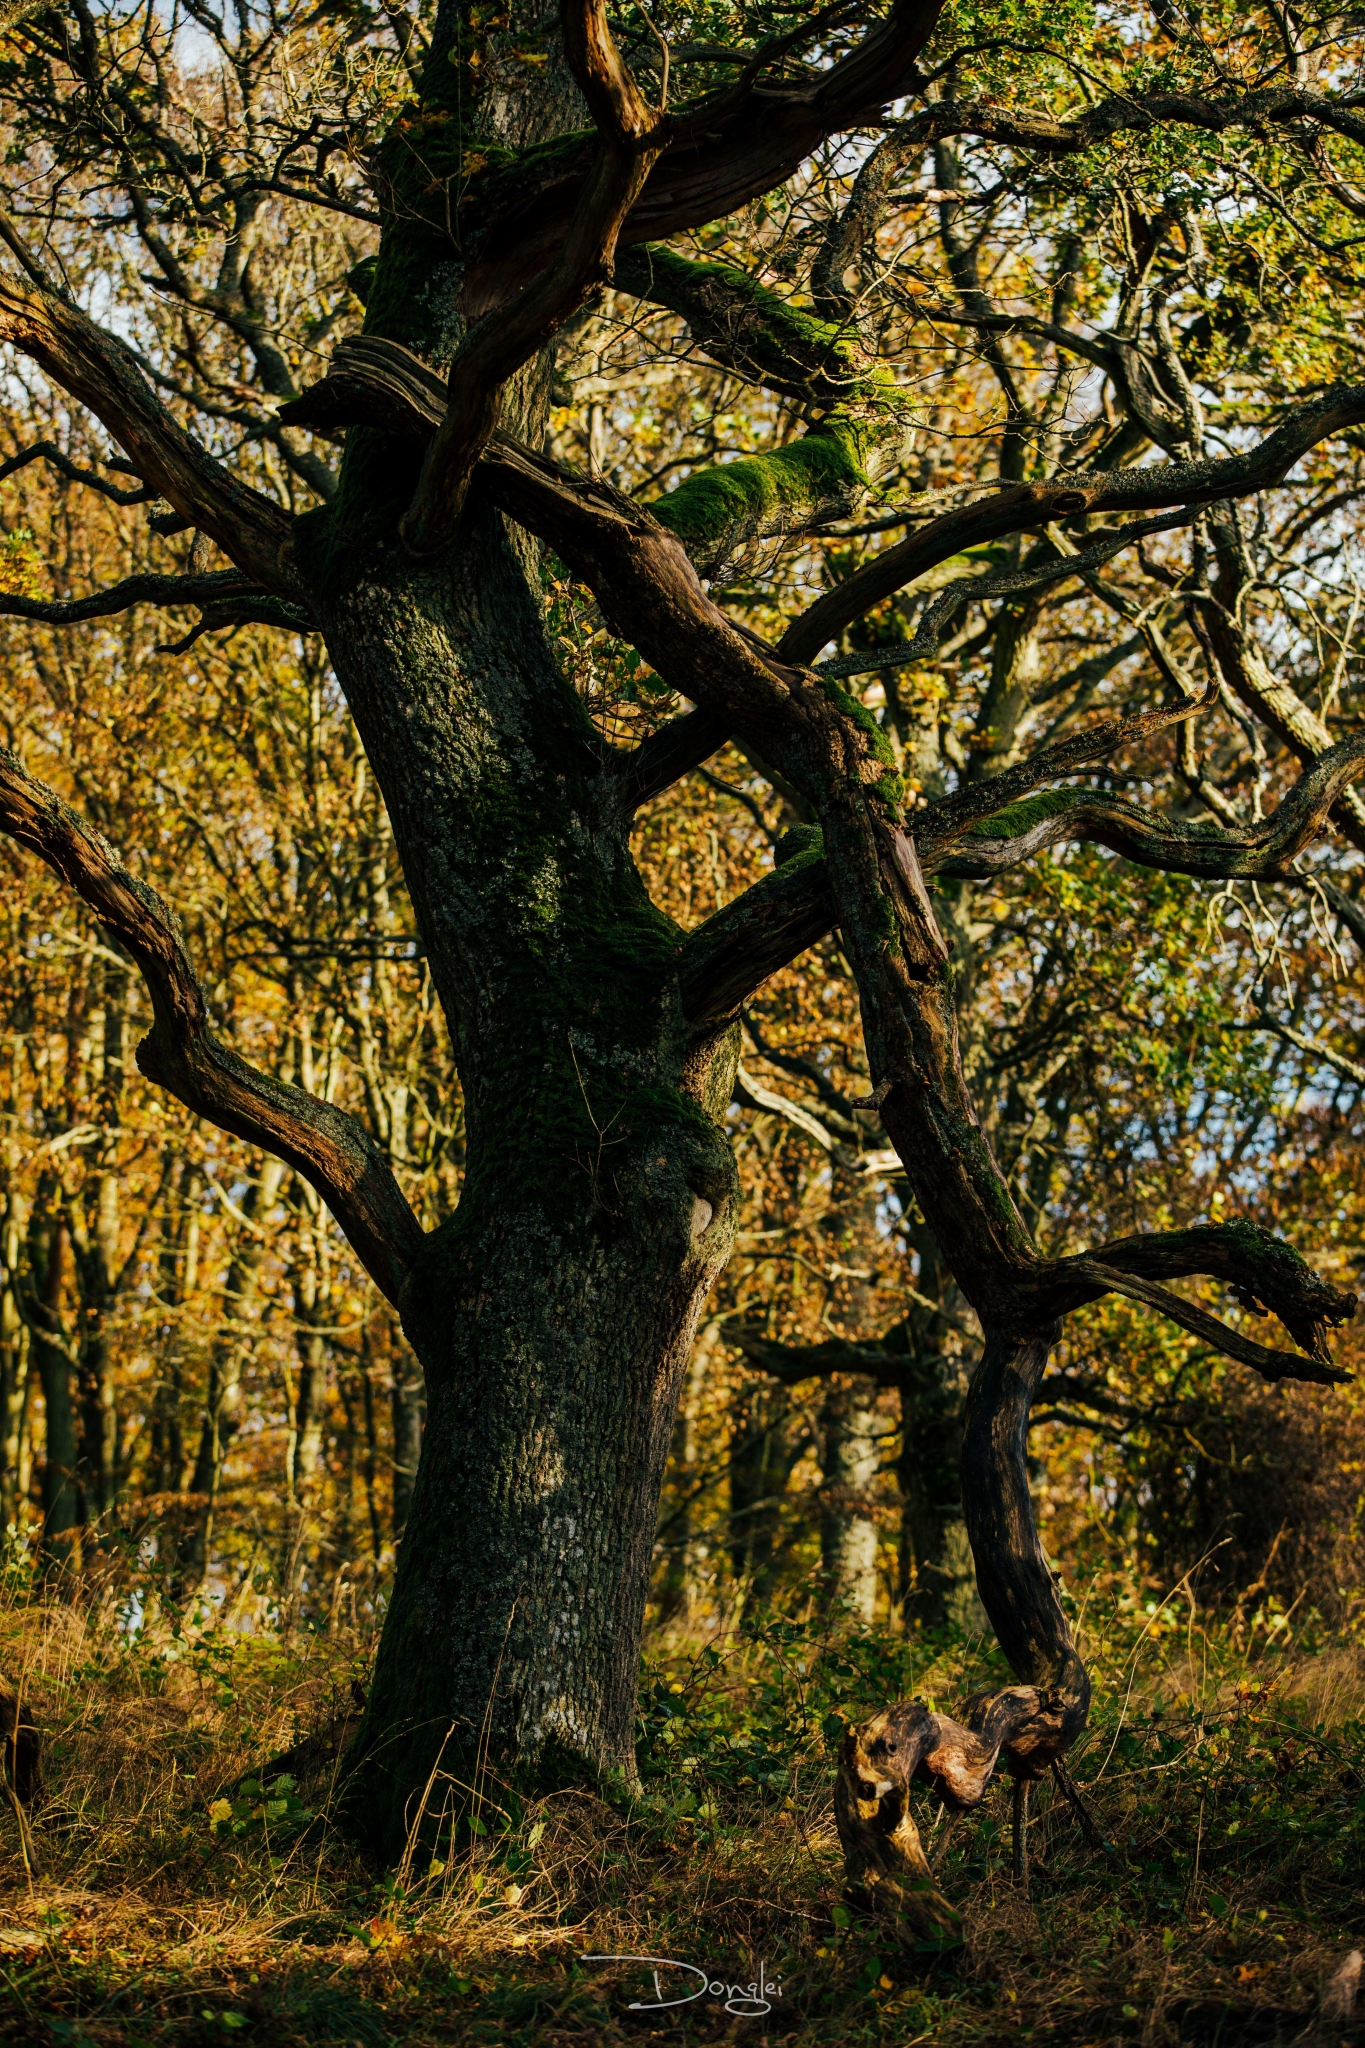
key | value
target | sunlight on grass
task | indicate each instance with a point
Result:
(192, 1885)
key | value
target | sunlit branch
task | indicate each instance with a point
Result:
(94, 367)
(1016, 833)
(1266, 1274)
(729, 957)
(1025, 507)
(329, 1148)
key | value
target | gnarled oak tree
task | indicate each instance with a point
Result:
(399, 500)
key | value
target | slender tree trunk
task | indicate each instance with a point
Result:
(222, 1390)
(48, 1258)
(371, 1461)
(1017, 1587)
(675, 1591)
(14, 1363)
(851, 1433)
(935, 1566)
(766, 1441)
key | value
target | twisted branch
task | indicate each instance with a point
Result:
(329, 1148)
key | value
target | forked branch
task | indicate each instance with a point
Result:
(1023, 507)
(1006, 838)
(631, 139)
(329, 1148)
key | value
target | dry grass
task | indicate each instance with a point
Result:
(1233, 1790)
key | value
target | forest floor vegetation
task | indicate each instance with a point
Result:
(186, 1895)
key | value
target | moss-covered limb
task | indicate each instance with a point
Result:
(1012, 835)
(734, 952)
(1089, 1279)
(1263, 1270)
(821, 476)
(748, 329)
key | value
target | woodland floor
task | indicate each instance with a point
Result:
(175, 1905)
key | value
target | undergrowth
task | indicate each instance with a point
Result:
(189, 1894)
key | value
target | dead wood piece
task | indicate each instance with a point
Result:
(1342, 1997)
(879, 1761)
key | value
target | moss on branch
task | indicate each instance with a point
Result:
(748, 329)
(820, 476)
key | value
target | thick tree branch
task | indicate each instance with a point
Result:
(818, 477)
(750, 330)
(669, 754)
(644, 581)
(632, 137)
(941, 824)
(329, 1148)
(372, 382)
(734, 952)
(1265, 1273)
(754, 1095)
(976, 590)
(1015, 834)
(792, 1363)
(95, 368)
(1024, 507)
(1129, 113)
(1270, 1364)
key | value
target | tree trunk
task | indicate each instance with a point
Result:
(47, 1262)
(222, 1390)
(676, 1531)
(519, 1597)
(935, 1566)
(408, 1405)
(851, 1432)
(553, 1314)
(1017, 1587)
(14, 1365)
